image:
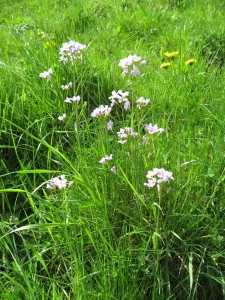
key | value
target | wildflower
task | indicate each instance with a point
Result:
(119, 96)
(143, 62)
(130, 61)
(153, 129)
(102, 110)
(56, 182)
(135, 71)
(113, 169)
(127, 105)
(110, 125)
(47, 74)
(105, 158)
(165, 65)
(158, 176)
(190, 62)
(122, 141)
(73, 99)
(42, 33)
(70, 51)
(124, 133)
(61, 118)
(49, 44)
(171, 54)
(144, 139)
(70, 184)
(142, 102)
(67, 86)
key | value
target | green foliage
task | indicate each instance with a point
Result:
(108, 236)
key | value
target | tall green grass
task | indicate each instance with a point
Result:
(108, 236)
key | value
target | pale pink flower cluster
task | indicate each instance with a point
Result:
(62, 118)
(47, 74)
(131, 61)
(142, 102)
(73, 99)
(105, 159)
(59, 182)
(124, 134)
(70, 51)
(158, 176)
(154, 129)
(101, 111)
(67, 86)
(119, 97)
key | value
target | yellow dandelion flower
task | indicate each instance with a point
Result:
(171, 54)
(190, 62)
(165, 65)
(41, 34)
(49, 44)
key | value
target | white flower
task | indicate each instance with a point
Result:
(47, 74)
(61, 118)
(105, 158)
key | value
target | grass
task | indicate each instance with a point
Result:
(109, 236)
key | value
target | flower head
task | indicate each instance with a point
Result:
(105, 158)
(131, 61)
(113, 169)
(101, 111)
(58, 182)
(70, 51)
(119, 96)
(124, 134)
(165, 65)
(61, 118)
(49, 44)
(110, 125)
(153, 129)
(171, 54)
(158, 176)
(190, 62)
(73, 99)
(142, 102)
(67, 86)
(47, 74)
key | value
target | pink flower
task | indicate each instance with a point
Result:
(113, 169)
(153, 129)
(101, 110)
(144, 139)
(124, 133)
(47, 74)
(130, 61)
(57, 182)
(71, 50)
(135, 71)
(158, 176)
(70, 184)
(105, 158)
(127, 105)
(66, 87)
(142, 102)
(119, 96)
(73, 99)
(61, 118)
(110, 125)
(143, 62)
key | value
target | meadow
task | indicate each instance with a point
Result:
(112, 149)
